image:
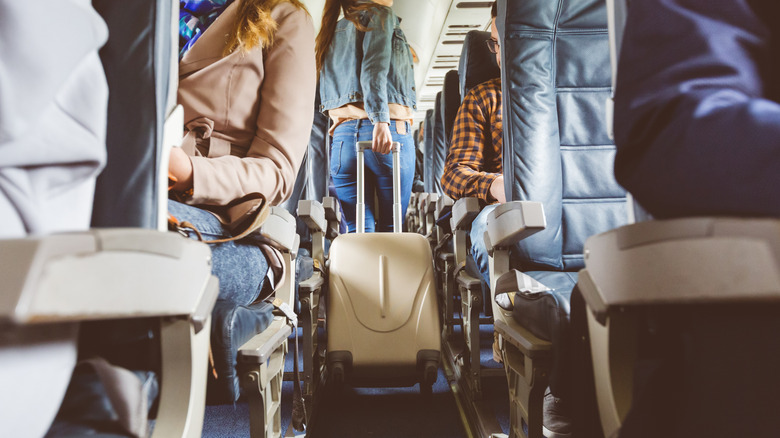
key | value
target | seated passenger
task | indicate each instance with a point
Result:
(248, 103)
(367, 89)
(473, 166)
(697, 128)
(53, 103)
(53, 106)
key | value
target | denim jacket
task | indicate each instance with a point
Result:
(373, 67)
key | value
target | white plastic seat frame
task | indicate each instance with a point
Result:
(428, 218)
(472, 301)
(261, 359)
(444, 265)
(527, 359)
(316, 217)
(667, 263)
(55, 282)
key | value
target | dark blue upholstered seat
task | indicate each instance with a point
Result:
(428, 151)
(450, 103)
(438, 149)
(555, 83)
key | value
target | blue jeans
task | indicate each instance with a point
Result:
(378, 173)
(240, 266)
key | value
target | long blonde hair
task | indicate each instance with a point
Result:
(330, 16)
(254, 25)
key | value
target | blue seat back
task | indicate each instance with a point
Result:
(428, 151)
(313, 177)
(555, 84)
(476, 64)
(439, 145)
(450, 102)
(138, 59)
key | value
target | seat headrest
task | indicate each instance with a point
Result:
(477, 64)
(451, 102)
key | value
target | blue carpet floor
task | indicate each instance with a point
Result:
(376, 412)
(494, 388)
(389, 412)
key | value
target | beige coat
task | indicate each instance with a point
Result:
(254, 108)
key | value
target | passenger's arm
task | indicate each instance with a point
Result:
(697, 119)
(377, 51)
(463, 174)
(284, 122)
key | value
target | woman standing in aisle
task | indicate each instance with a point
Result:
(367, 90)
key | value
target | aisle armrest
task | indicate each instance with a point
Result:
(692, 260)
(280, 230)
(332, 215)
(259, 349)
(313, 214)
(512, 222)
(443, 204)
(525, 341)
(122, 273)
(429, 205)
(95, 275)
(464, 211)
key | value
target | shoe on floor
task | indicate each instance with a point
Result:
(506, 301)
(556, 420)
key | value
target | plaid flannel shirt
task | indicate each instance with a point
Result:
(474, 159)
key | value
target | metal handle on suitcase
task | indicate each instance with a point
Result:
(361, 206)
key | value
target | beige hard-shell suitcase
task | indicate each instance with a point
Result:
(382, 318)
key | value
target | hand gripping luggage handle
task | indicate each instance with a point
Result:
(361, 206)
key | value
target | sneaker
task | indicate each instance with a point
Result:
(556, 422)
(496, 349)
(506, 301)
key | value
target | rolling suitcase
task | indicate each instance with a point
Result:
(382, 314)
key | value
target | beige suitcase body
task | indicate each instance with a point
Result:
(382, 313)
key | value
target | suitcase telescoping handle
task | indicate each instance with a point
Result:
(361, 147)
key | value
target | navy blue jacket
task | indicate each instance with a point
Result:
(697, 121)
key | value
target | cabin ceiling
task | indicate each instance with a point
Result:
(435, 29)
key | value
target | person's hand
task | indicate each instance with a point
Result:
(383, 141)
(497, 189)
(180, 167)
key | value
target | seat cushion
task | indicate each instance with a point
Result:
(231, 327)
(546, 314)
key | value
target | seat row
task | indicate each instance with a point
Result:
(68, 296)
(563, 246)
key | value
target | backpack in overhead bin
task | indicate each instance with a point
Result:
(382, 313)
